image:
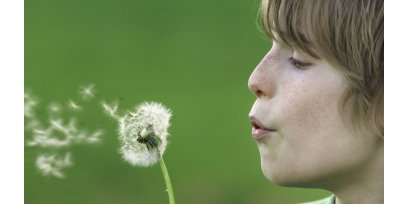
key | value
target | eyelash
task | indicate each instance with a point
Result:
(298, 64)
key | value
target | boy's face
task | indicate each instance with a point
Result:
(303, 140)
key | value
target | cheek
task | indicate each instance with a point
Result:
(309, 101)
(311, 112)
(317, 144)
(310, 125)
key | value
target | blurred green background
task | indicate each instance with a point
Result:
(193, 56)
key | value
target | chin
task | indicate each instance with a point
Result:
(271, 172)
(284, 177)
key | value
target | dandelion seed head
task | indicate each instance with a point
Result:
(139, 155)
(149, 118)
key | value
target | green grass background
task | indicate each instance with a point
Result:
(193, 56)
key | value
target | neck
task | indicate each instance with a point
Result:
(366, 185)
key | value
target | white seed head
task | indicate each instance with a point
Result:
(149, 119)
(147, 131)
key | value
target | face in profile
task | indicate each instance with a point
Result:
(301, 134)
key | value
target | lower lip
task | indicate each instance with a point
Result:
(260, 133)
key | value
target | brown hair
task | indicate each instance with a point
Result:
(349, 34)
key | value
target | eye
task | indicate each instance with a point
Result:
(298, 64)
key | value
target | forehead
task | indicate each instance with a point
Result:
(293, 23)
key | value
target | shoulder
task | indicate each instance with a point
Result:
(328, 200)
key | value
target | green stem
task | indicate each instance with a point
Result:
(167, 179)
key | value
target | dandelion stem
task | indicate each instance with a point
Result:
(167, 180)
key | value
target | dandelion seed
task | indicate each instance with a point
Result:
(57, 124)
(56, 135)
(52, 165)
(32, 124)
(111, 109)
(29, 104)
(87, 92)
(95, 137)
(84, 137)
(54, 109)
(60, 134)
(49, 138)
(143, 133)
(74, 106)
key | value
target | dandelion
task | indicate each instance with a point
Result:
(87, 92)
(143, 136)
(74, 106)
(52, 165)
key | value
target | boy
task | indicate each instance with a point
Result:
(318, 117)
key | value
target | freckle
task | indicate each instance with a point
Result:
(268, 62)
(262, 66)
(272, 59)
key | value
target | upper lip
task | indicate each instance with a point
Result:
(258, 125)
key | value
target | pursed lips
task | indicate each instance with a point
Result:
(259, 131)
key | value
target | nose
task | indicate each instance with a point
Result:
(261, 82)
